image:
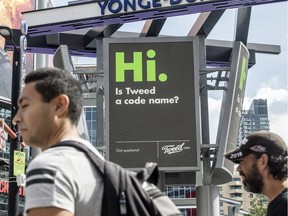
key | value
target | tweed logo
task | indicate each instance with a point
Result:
(172, 149)
(258, 148)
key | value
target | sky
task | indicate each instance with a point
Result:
(267, 79)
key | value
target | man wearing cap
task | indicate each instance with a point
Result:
(263, 167)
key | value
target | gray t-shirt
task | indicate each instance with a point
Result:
(63, 177)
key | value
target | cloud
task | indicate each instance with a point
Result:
(273, 82)
(277, 102)
(278, 124)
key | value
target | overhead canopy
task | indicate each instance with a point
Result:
(90, 14)
(77, 27)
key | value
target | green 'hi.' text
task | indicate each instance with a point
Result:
(137, 67)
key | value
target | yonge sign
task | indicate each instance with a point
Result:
(151, 102)
(107, 12)
(124, 6)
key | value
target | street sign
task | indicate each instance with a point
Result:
(19, 163)
(231, 108)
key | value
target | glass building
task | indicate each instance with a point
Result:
(254, 119)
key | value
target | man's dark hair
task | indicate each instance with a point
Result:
(51, 82)
(276, 151)
(278, 166)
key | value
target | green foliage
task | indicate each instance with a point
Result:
(259, 205)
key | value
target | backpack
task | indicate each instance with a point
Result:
(128, 193)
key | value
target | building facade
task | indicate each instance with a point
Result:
(254, 119)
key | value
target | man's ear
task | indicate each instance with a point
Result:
(61, 104)
(263, 161)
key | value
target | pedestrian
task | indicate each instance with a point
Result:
(60, 181)
(263, 167)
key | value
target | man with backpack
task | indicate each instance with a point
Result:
(60, 181)
(70, 177)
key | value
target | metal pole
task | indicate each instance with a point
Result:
(208, 195)
(100, 95)
(161, 181)
(13, 195)
(207, 192)
(204, 115)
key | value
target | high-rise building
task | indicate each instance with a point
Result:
(254, 119)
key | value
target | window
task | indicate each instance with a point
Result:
(90, 115)
(235, 187)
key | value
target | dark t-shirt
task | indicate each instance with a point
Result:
(278, 206)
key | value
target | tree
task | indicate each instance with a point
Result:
(259, 205)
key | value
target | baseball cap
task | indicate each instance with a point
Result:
(261, 142)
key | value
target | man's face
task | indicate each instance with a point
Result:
(251, 177)
(34, 117)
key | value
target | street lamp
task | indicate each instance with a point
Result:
(13, 196)
(7, 33)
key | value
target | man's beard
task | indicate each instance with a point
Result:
(253, 181)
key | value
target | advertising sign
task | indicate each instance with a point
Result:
(19, 163)
(151, 95)
(11, 17)
(232, 104)
(4, 188)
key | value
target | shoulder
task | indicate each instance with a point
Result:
(49, 167)
(63, 162)
(62, 157)
(283, 197)
(50, 158)
(59, 177)
(279, 205)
